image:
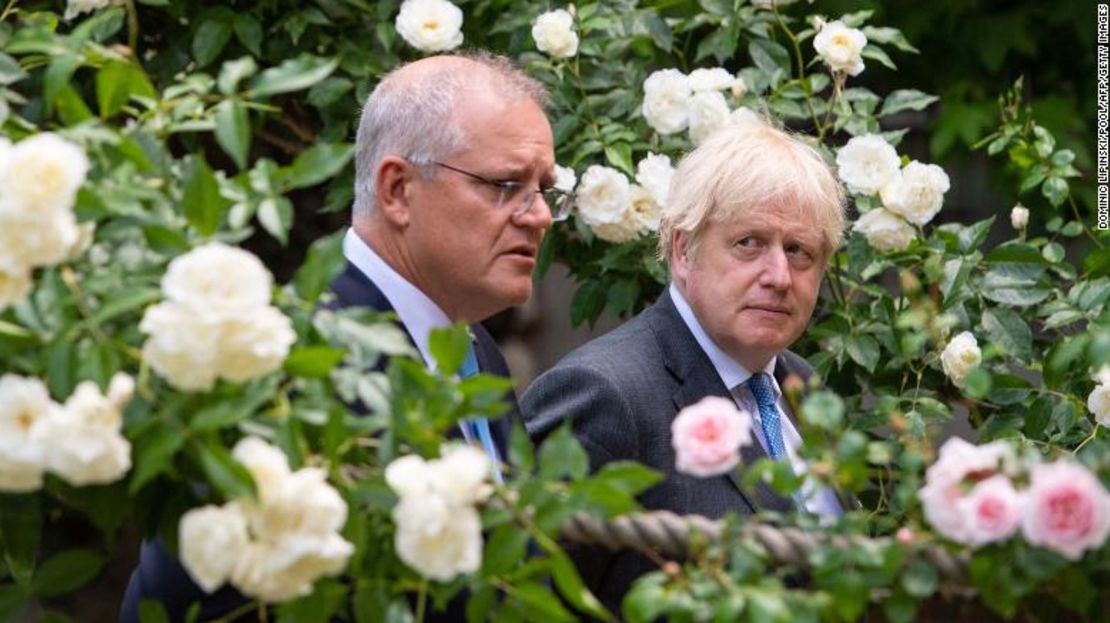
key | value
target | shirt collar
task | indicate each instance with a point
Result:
(418, 313)
(732, 372)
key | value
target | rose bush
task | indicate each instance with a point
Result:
(144, 141)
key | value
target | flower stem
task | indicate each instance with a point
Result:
(133, 29)
(421, 601)
(8, 10)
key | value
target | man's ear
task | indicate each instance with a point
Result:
(392, 189)
(680, 263)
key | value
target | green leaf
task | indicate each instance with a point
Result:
(542, 601)
(234, 72)
(1053, 252)
(906, 99)
(233, 130)
(249, 32)
(864, 350)
(449, 347)
(824, 410)
(313, 361)
(324, 262)
(152, 611)
(275, 214)
(210, 38)
(571, 587)
(1006, 328)
(770, 56)
(522, 455)
(1055, 189)
(67, 571)
(58, 75)
(978, 383)
(154, 454)
(10, 70)
(620, 156)
(506, 548)
(12, 599)
(225, 473)
(874, 52)
(562, 456)
(20, 535)
(293, 75)
(919, 579)
(125, 300)
(316, 164)
(646, 601)
(116, 83)
(627, 476)
(204, 207)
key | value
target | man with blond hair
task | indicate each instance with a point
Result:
(454, 177)
(752, 218)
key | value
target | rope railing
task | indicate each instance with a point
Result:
(670, 535)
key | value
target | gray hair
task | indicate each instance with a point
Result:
(745, 167)
(410, 115)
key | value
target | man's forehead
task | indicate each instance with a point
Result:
(786, 218)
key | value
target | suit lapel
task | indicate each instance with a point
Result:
(696, 378)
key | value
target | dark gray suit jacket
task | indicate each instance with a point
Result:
(161, 577)
(620, 392)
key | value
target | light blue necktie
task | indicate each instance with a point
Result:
(768, 414)
(760, 384)
(479, 427)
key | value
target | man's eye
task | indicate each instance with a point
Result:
(747, 242)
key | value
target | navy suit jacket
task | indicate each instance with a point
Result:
(621, 392)
(160, 575)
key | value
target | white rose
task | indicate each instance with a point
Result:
(738, 87)
(279, 570)
(841, 47)
(645, 211)
(82, 441)
(1098, 402)
(24, 404)
(255, 344)
(655, 173)
(716, 79)
(439, 541)
(43, 173)
(867, 164)
(460, 475)
(218, 281)
(554, 34)
(303, 502)
(212, 539)
(666, 92)
(622, 231)
(884, 231)
(430, 25)
(77, 7)
(29, 239)
(409, 475)
(1019, 217)
(565, 179)
(15, 285)
(708, 112)
(745, 116)
(960, 356)
(917, 193)
(182, 347)
(267, 465)
(602, 195)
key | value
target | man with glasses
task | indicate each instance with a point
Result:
(453, 192)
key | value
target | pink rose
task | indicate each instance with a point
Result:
(1067, 509)
(707, 437)
(959, 466)
(991, 511)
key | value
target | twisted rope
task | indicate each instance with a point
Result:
(669, 534)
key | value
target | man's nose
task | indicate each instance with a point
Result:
(537, 216)
(776, 269)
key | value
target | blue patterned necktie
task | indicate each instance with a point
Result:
(478, 428)
(760, 385)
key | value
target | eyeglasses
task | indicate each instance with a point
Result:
(520, 197)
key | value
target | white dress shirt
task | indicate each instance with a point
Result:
(418, 313)
(734, 375)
